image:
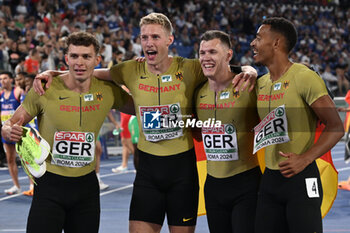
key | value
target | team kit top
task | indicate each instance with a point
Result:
(161, 102)
(288, 122)
(229, 147)
(70, 121)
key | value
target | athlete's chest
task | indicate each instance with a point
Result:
(151, 89)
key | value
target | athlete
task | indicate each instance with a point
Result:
(67, 195)
(125, 136)
(233, 177)
(291, 98)
(9, 101)
(166, 181)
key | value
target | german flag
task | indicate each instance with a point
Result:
(201, 167)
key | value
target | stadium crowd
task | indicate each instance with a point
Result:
(33, 32)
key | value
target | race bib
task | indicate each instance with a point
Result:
(312, 187)
(220, 143)
(273, 129)
(73, 149)
(161, 122)
(6, 114)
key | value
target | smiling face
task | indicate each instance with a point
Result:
(214, 57)
(263, 45)
(81, 61)
(155, 42)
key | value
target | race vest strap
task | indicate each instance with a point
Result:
(73, 149)
(220, 143)
(273, 129)
(161, 122)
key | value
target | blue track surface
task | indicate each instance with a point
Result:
(115, 200)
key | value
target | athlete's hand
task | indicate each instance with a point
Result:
(244, 80)
(341, 109)
(13, 133)
(140, 59)
(293, 165)
(47, 77)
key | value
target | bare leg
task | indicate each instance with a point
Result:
(143, 227)
(182, 229)
(11, 161)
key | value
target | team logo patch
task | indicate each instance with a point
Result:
(235, 94)
(286, 84)
(224, 95)
(277, 86)
(99, 96)
(166, 78)
(179, 76)
(88, 97)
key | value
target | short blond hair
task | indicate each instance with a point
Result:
(157, 18)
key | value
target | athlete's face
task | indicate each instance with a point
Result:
(262, 45)
(6, 81)
(19, 81)
(214, 57)
(155, 41)
(81, 61)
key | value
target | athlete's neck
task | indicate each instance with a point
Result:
(161, 67)
(76, 85)
(220, 81)
(279, 68)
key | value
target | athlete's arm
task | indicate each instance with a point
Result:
(18, 92)
(128, 107)
(12, 128)
(245, 79)
(333, 132)
(48, 75)
(112, 119)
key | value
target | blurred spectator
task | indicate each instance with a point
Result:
(343, 82)
(330, 79)
(32, 64)
(107, 54)
(173, 51)
(247, 59)
(4, 56)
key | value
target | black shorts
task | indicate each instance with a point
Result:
(69, 203)
(231, 202)
(166, 185)
(291, 205)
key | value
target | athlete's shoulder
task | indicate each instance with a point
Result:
(203, 88)
(301, 71)
(187, 61)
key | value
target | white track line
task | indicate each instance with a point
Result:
(116, 190)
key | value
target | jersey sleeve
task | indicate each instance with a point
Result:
(122, 71)
(121, 97)
(310, 86)
(33, 103)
